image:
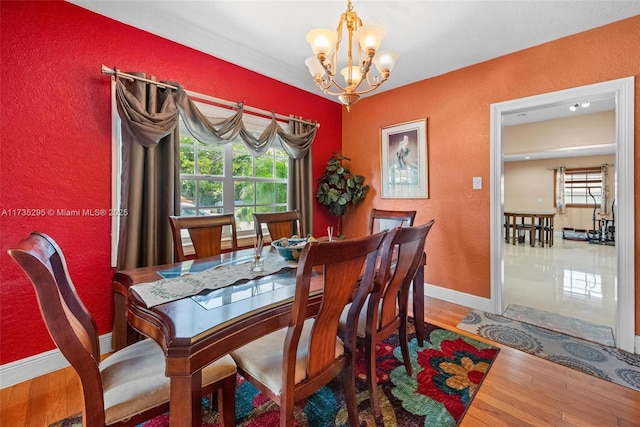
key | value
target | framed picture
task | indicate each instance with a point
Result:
(405, 166)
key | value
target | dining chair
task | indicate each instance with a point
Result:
(292, 363)
(205, 233)
(129, 386)
(380, 220)
(279, 224)
(386, 308)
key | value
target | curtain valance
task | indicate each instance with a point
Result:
(149, 128)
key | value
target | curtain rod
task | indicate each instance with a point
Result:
(117, 73)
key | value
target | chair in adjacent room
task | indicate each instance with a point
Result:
(292, 363)
(129, 386)
(380, 220)
(206, 235)
(279, 224)
(386, 308)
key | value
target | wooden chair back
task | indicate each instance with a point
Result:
(349, 268)
(279, 224)
(205, 233)
(380, 220)
(74, 332)
(69, 323)
(401, 256)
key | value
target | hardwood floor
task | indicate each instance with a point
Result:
(520, 390)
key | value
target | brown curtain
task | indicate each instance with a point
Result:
(301, 190)
(221, 131)
(151, 163)
(150, 173)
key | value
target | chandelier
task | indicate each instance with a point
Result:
(325, 45)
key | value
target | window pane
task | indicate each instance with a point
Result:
(265, 193)
(244, 218)
(210, 162)
(244, 193)
(281, 193)
(242, 164)
(188, 197)
(209, 193)
(187, 163)
(282, 168)
(264, 167)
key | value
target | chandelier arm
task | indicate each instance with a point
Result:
(372, 88)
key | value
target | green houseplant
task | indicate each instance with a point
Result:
(338, 188)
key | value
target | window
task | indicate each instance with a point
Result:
(580, 185)
(227, 178)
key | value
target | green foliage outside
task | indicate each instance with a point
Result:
(208, 176)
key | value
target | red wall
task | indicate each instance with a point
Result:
(55, 150)
(457, 106)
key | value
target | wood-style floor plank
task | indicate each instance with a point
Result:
(520, 390)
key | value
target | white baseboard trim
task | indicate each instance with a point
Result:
(40, 364)
(460, 298)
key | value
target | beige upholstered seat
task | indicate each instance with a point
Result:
(292, 363)
(385, 310)
(205, 233)
(129, 386)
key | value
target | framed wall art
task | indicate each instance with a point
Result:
(405, 166)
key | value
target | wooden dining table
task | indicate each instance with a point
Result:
(196, 330)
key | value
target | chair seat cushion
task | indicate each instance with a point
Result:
(133, 379)
(263, 357)
(362, 319)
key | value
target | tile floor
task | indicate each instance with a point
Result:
(571, 278)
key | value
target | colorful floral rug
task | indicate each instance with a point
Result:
(448, 370)
(598, 360)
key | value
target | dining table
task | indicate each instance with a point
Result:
(200, 310)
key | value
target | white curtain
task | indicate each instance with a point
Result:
(561, 203)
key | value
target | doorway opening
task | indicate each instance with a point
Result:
(621, 91)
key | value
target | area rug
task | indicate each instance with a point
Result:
(448, 371)
(601, 334)
(595, 359)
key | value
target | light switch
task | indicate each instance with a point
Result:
(477, 182)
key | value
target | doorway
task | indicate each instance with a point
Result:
(622, 91)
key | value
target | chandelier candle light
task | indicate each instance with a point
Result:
(325, 45)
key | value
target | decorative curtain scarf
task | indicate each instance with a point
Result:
(560, 196)
(151, 162)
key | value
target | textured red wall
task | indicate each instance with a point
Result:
(56, 134)
(457, 106)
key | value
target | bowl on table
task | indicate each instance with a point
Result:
(289, 248)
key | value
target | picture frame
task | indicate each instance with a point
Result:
(404, 161)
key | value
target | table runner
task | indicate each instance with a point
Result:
(219, 276)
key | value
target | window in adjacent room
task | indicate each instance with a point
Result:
(580, 185)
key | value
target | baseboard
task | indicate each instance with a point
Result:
(460, 298)
(40, 364)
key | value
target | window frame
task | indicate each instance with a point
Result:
(252, 123)
(568, 190)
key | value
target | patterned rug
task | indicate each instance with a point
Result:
(448, 371)
(595, 359)
(601, 334)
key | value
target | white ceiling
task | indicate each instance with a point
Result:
(432, 37)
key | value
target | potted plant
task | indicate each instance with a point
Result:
(338, 188)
